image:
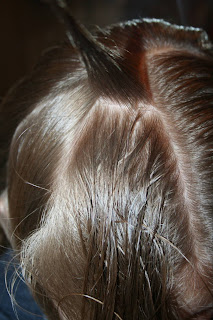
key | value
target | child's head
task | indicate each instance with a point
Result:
(110, 174)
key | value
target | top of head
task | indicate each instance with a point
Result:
(110, 173)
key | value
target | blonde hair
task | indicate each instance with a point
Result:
(110, 173)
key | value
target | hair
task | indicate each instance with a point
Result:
(110, 173)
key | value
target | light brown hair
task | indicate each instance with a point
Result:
(110, 173)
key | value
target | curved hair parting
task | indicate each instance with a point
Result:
(103, 65)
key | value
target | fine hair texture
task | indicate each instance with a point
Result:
(110, 174)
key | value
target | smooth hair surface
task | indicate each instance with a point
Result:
(110, 173)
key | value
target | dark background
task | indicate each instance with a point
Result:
(27, 27)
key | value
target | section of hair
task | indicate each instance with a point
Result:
(110, 195)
